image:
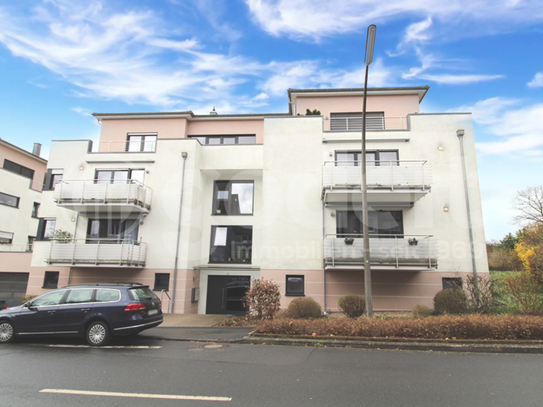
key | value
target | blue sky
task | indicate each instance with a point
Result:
(61, 60)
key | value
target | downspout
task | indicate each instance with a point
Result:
(75, 242)
(184, 155)
(323, 263)
(460, 134)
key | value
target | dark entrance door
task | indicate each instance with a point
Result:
(225, 294)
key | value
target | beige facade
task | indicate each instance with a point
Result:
(274, 196)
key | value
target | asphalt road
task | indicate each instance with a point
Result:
(259, 375)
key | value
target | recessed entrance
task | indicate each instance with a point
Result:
(225, 294)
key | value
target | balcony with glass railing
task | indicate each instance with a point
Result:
(123, 253)
(400, 183)
(387, 252)
(127, 196)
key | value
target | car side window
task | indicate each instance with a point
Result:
(79, 296)
(52, 298)
(107, 295)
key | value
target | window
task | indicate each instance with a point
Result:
(295, 286)
(46, 228)
(51, 279)
(373, 158)
(112, 230)
(233, 198)
(141, 143)
(353, 121)
(226, 139)
(79, 296)
(381, 223)
(52, 178)
(30, 243)
(162, 281)
(451, 282)
(18, 169)
(119, 176)
(231, 244)
(53, 298)
(107, 295)
(9, 200)
(6, 238)
(35, 210)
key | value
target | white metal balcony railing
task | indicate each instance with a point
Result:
(15, 248)
(379, 174)
(372, 123)
(124, 146)
(111, 252)
(91, 192)
(396, 251)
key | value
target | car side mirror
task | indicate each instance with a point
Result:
(30, 306)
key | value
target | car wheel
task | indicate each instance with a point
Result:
(7, 333)
(97, 334)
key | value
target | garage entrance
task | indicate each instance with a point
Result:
(225, 294)
(13, 287)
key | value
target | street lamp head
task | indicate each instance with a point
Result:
(370, 43)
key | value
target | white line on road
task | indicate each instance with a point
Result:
(135, 395)
(105, 347)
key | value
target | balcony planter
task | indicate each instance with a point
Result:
(412, 241)
(349, 240)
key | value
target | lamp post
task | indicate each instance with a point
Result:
(368, 58)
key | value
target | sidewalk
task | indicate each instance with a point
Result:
(200, 328)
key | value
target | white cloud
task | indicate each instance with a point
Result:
(314, 19)
(449, 79)
(417, 32)
(537, 81)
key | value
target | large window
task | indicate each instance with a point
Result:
(9, 200)
(46, 228)
(231, 244)
(18, 169)
(6, 238)
(373, 158)
(382, 223)
(112, 231)
(233, 198)
(226, 139)
(141, 143)
(52, 178)
(119, 176)
(353, 121)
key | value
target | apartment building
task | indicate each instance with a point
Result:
(197, 206)
(21, 182)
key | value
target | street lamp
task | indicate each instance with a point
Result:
(368, 58)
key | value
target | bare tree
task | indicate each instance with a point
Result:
(529, 204)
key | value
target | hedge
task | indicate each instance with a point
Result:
(491, 327)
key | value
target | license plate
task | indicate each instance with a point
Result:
(152, 312)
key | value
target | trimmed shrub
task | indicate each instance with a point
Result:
(305, 307)
(263, 299)
(474, 326)
(451, 301)
(421, 311)
(352, 305)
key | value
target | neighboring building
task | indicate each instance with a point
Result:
(198, 205)
(21, 181)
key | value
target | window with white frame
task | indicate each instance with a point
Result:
(141, 143)
(6, 238)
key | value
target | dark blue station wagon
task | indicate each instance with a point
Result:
(95, 311)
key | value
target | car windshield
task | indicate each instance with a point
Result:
(49, 299)
(142, 293)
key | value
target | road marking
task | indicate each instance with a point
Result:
(135, 395)
(104, 347)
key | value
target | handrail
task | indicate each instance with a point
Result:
(375, 161)
(122, 146)
(372, 123)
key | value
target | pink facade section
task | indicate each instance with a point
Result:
(397, 107)
(115, 132)
(216, 127)
(25, 159)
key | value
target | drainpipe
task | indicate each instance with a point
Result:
(75, 242)
(460, 134)
(323, 265)
(184, 155)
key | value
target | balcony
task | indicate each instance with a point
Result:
(391, 183)
(98, 252)
(353, 122)
(387, 252)
(130, 196)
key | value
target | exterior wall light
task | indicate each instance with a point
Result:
(440, 148)
(445, 208)
(73, 219)
(81, 168)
